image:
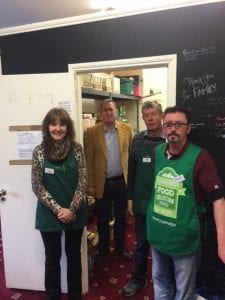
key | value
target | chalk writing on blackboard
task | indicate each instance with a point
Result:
(196, 125)
(186, 96)
(217, 100)
(200, 86)
(220, 127)
(194, 54)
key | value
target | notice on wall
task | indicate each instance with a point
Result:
(66, 104)
(26, 142)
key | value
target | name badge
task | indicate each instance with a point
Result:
(179, 178)
(49, 171)
(146, 159)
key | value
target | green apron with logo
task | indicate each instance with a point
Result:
(172, 216)
(143, 180)
(60, 179)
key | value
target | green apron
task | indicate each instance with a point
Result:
(173, 225)
(60, 179)
(143, 180)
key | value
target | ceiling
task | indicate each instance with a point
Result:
(21, 12)
(15, 13)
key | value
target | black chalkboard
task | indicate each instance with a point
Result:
(203, 93)
(195, 34)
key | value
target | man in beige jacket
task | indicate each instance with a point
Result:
(106, 147)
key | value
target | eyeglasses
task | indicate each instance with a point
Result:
(177, 125)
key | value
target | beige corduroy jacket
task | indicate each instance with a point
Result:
(96, 156)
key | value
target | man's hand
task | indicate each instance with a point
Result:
(219, 216)
(130, 207)
(91, 191)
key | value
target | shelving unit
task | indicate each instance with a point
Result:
(98, 94)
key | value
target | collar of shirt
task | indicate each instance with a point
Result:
(147, 134)
(110, 130)
(177, 155)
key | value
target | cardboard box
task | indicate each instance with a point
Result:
(87, 80)
(116, 85)
(107, 84)
(97, 82)
(88, 123)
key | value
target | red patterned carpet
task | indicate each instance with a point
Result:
(105, 282)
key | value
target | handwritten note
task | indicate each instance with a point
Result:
(194, 54)
(66, 104)
(197, 125)
(220, 126)
(196, 87)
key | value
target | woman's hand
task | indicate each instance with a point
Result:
(65, 215)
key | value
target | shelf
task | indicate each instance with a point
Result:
(98, 94)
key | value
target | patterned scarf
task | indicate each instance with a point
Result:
(57, 152)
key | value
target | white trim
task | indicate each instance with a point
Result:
(95, 17)
(0, 74)
(169, 61)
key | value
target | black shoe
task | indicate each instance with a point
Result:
(124, 255)
(99, 258)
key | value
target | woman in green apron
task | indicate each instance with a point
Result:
(59, 180)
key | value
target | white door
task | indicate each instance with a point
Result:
(24, 101)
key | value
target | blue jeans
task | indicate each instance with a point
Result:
(141, 251)
(174, 277)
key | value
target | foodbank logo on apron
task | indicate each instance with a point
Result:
(168, 188)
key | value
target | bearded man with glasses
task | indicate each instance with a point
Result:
(184, 175)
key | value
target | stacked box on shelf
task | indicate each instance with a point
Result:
(126, 86)
(87, 80)
(97, 82)
(107, 84)
(88, 121)
(116, 85)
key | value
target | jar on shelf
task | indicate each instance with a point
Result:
(122, 114)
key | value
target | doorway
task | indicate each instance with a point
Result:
(168, 61)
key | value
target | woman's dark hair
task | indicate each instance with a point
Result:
(58, 114)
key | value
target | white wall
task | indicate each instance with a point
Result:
(156, 80)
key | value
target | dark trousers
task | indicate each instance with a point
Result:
(141, 251)
(113, 202)
(52, 244)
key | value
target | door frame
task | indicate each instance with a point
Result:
(34, 94)
(169, 61)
